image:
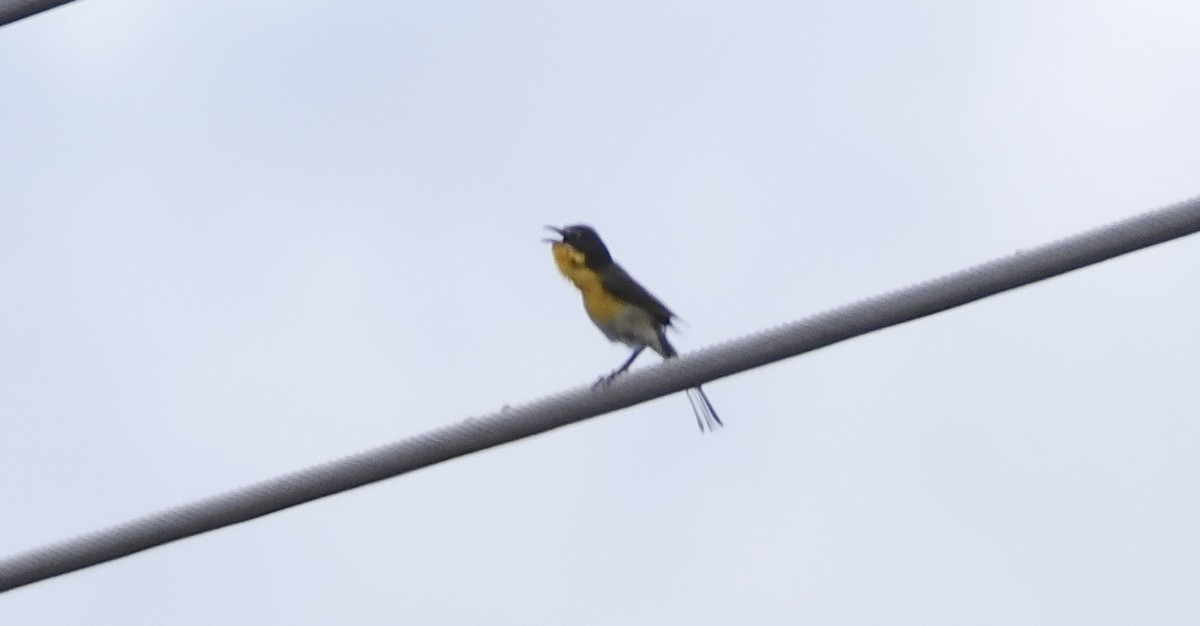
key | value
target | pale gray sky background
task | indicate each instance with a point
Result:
(239, 238)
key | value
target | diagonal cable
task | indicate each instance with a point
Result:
(13, 10)
(510, 424)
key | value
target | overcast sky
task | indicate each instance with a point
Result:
(238, 238)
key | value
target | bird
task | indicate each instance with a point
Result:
(620, 307)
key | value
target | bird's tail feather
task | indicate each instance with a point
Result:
(706, 415)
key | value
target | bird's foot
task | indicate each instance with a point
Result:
(607, 379)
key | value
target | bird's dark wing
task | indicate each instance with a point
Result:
(619, 283)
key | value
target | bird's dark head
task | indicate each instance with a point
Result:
(583, 239)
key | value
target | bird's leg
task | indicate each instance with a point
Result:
(608, 378)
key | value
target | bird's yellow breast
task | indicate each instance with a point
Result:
(601, 306)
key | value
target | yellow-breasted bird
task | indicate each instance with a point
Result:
(623, 310)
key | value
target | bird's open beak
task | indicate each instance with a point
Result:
(557, 230)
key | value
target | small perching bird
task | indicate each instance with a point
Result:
(623, 310)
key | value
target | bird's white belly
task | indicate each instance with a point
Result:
(634, 328)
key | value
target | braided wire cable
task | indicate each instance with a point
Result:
(670, 376)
